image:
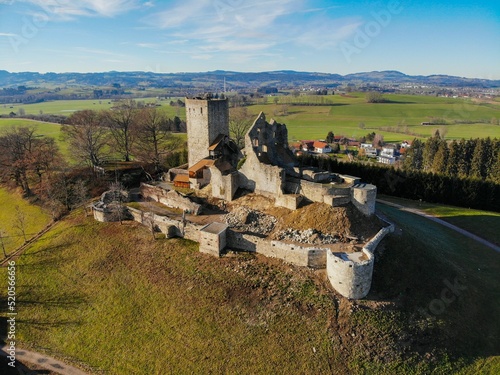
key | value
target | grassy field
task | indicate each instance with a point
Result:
(35, 219)
(67, 107)
(342, 116)
(345, 114)
(482, 223)
(110, 298)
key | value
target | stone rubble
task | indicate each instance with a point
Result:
(248, 220)
(309, 236)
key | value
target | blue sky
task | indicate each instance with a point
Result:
(416, 37)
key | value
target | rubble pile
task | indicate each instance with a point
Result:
(309, 236)
(247, 220)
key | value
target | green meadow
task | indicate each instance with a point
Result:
(67, 107)
(342, 115)
(34, 218)
(345, 113)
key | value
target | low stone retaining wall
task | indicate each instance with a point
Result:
(170, 198)
(313, 257)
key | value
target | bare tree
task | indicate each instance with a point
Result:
(20, 222)
(154, 142)
(15, 146)
(239, 123)
(122, 120)
(119, 196)
(87, 136)
(24, 155)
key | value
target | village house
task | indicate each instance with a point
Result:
(370, 151)
(321, 147)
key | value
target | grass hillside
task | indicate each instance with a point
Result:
(482, 223)
(35, 219)
(110, 297)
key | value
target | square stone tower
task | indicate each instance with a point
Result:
(206, 119)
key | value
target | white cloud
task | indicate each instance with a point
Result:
(66, 9)
(148, 45)
(327, 34)
(8, 34)
(201, 57)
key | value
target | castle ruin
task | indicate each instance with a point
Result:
(267, 167)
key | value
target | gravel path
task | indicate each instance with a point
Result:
(41, 360)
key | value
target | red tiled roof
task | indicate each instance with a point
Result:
(319, 144)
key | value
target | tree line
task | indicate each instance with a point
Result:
(473, 158)
(126, 131)
(34, 163)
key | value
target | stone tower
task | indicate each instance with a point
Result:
(206, 119)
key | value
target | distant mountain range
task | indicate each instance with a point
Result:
(236, 80)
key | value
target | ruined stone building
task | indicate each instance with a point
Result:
(265, 166)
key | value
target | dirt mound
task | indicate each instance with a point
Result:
(344, 221)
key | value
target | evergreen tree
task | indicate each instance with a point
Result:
(440, 158)
(454, 156)
(414, 156)
(466, 150)
(476, 167)
(495, 164)
(430, 149)
(330, 137)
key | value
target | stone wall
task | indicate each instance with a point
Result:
(364, 196)
(262, 178)
(224, 186)
(314, 191)
(351, 274)
(299, 255)
(170, 198)
(170, 227)
(290, 201)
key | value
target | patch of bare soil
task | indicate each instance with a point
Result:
(344, 221)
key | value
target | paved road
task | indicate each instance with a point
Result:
(442, 222)
(26, 357)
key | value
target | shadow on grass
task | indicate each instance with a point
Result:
(49, 249)
(445, 288)
(387, 101)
